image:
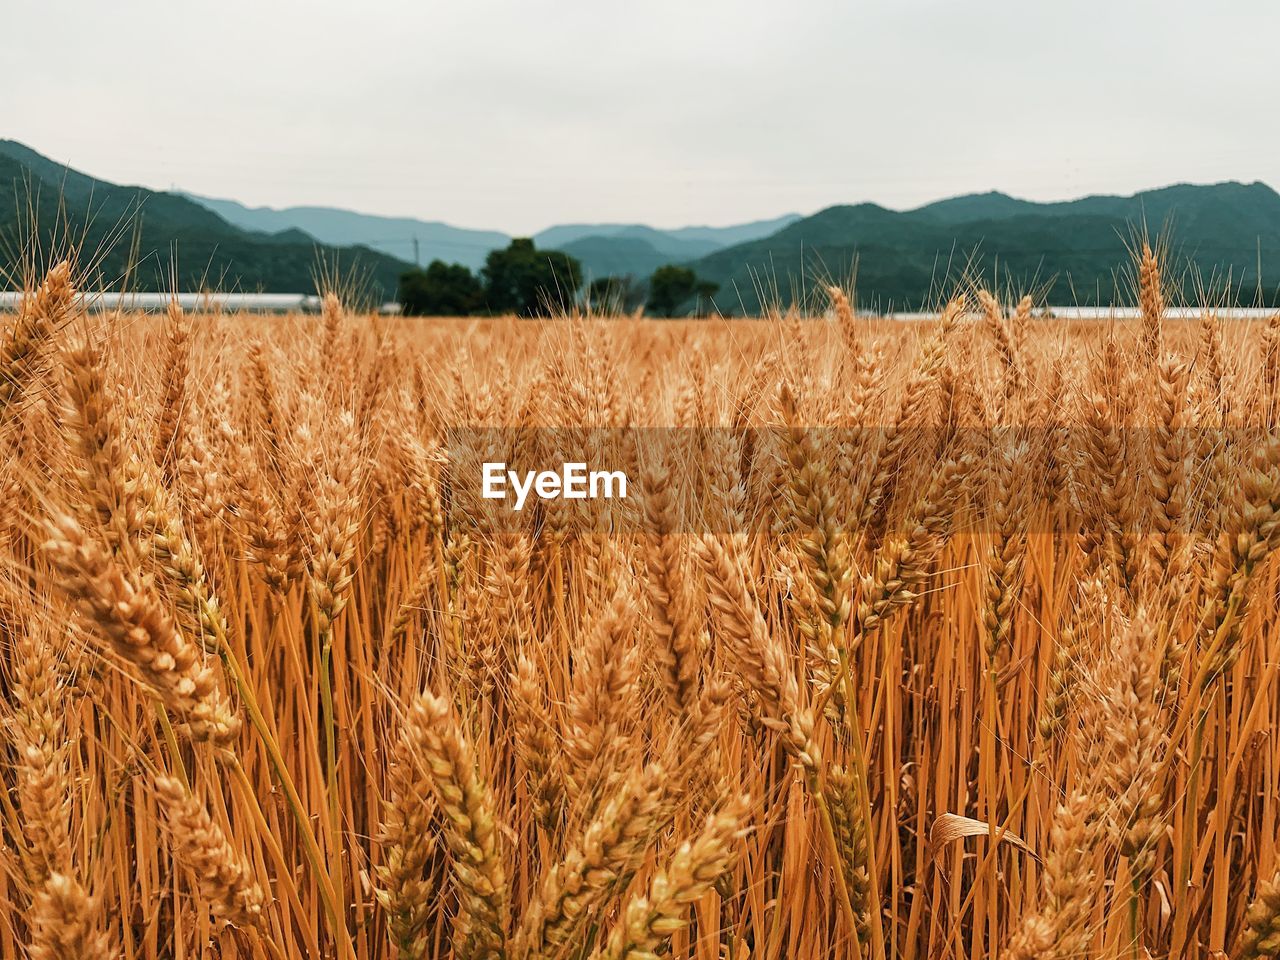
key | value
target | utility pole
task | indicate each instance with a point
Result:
(417, 260)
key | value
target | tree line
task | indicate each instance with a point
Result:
(529, 282)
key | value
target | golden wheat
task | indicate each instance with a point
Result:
(979, 613)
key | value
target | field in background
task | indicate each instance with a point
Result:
(979, 659)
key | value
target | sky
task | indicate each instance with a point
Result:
(518, 114)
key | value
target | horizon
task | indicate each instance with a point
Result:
(732, 223)
(992, 191)
(803, 250)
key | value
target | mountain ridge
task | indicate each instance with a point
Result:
(437, 240)
(154, 238)
(705, 237)
(392, 235)
(1070, 252)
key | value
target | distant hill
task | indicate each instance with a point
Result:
(618, 256)
(663, 241)
(620, 249)
(101, 219)
(603, 248)
(391, 235)
(976, 206)
(693, 241)
(740, 233)
(1074, 252)
(1071, 252)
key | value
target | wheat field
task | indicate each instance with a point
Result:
(944, 639)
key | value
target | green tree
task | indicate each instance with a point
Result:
(441, 290)
(614, 294)
(530, 282)
(671, 287)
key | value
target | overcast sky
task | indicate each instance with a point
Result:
(516, 114)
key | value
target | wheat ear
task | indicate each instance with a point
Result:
(41, 316)
(63, 923)
(433, 733)
(129, 617)
(1261, 934)
(221, 875)
(648, 921)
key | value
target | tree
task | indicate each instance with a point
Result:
(671, 286)
(530, 282)
(441, 290)
(613, 294)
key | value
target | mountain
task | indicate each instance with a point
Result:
(604, 248)
(739, 233)
(392, 235)
(975, 206)
(616, 249)
(131, 231)
(686, 241)
(559, 237)
(1072, 252)
(618, 256)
